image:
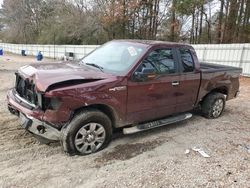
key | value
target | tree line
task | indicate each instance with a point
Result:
(98, 21)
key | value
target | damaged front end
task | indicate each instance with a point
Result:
(25, 102)
(40, 112)
(26, 93)
(46, 95)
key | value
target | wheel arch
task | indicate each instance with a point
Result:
(223, 90)
(107, 110)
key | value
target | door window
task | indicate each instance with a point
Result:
(161, 60)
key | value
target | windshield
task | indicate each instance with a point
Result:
(114, 57)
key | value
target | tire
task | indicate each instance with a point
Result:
(88, 132)
(213, 105)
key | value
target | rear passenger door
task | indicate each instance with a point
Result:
(189, 80)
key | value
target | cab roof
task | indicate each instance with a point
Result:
(154, 42)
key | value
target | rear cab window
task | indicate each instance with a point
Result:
(186, 60)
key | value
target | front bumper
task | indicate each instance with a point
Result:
(30, 119)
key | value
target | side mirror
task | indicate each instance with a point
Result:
(145, 74)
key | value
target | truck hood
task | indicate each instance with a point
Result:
(46, 75)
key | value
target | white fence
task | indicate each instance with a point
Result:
(53, 51)
(227, 54)
(237, 55)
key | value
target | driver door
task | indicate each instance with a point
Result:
(152, 89)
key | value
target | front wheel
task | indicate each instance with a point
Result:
(213, 105)
(88, 132)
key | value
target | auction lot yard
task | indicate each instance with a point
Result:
(155, 158)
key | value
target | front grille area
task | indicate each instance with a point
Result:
(26, 90)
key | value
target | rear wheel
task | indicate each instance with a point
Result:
(213, 105)
(88, 132)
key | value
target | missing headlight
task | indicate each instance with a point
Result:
(51, 103)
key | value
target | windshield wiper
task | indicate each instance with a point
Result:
(95, 65)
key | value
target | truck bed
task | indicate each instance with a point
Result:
(212, 67)
(224, 78)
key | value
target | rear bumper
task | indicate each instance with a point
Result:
(31, 120)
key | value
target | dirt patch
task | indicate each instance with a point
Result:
(128, 151)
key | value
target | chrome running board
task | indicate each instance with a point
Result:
(157, 123)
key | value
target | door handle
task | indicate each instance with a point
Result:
(175, 83)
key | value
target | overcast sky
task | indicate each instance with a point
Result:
(1, 1)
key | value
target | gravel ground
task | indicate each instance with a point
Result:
(155, 158)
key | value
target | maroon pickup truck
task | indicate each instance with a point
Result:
(129, 84)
